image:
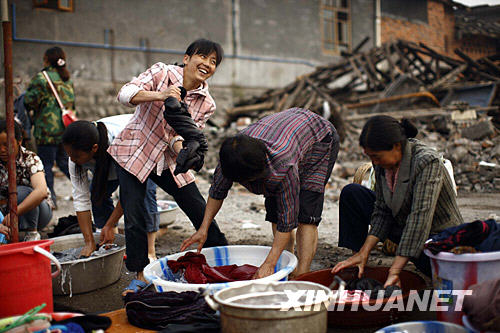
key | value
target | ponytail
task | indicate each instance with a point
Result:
(57, 58)
(83, 135)
(102, 165)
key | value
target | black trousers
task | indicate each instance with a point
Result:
(132, 193)
(355, 211)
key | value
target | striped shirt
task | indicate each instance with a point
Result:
(143, 145)
(297, 160)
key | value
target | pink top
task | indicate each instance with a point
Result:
(143, 145)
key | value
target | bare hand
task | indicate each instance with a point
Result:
(199, 237)
(263, 271)
(172, 91)
(392, 280)
(5, 230)
(107, 235)
(87, 249)
(6, 220)
(356, 260)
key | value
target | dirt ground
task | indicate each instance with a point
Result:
(239, 208)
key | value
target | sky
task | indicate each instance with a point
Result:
(472, 3)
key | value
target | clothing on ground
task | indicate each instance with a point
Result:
(197, 270)
(157, 311)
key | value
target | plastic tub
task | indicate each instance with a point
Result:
(162, 277)
(25, 276)
(458, 272)
(424, 326)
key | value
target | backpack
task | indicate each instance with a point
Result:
(22, 117)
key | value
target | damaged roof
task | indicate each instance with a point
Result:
(480, 20)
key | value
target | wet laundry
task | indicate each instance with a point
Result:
(166, 310)
(74, 253)
(196, 270)
(484, 236)
(372, 287)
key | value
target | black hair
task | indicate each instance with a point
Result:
(242, 158)
(383, 132)
(57, 59)
(18, 132)
(83, 135)
(205, 47)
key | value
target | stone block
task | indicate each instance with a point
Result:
(478, 131)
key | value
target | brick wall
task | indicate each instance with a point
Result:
(437, 33)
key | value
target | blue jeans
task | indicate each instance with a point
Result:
(355, 211)
(102, 212)
(38, 217)
(50, 154)
(132, 193)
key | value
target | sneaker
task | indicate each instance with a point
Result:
(32, 236)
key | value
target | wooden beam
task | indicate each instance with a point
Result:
(416, 113)
(451, 75)
(239, 110)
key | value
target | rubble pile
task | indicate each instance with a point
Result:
(453, 101)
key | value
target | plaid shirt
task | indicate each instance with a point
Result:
(143, 145)
(297, 159)
(423, 201)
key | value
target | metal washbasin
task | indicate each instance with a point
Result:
(87, 274)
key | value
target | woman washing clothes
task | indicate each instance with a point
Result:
(34, 204)
(413, 198)
(86, 143)
(288, 157)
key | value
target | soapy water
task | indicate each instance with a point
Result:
(74, 253)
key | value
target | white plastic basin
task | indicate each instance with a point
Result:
(162, 277)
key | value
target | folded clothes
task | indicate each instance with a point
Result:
(196, 270)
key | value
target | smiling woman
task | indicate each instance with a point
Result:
(155, 155)
(33, 197)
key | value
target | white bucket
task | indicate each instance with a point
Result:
(458, 272)
(162, 277)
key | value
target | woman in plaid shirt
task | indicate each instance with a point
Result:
(288, 157)
(147, 147)
(413, 198)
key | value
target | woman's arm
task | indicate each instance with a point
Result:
(85, 222)
(152, 96)
(108, 231)
(200, 236)
(36, 196)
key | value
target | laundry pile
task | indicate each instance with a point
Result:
(482, 236)
(196, 270)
